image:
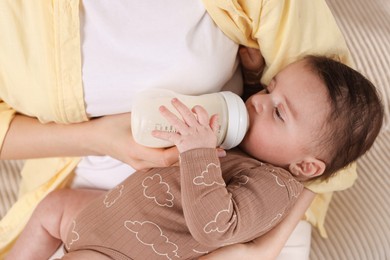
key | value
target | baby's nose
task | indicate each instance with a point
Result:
(258, 103)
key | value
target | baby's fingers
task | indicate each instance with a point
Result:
(201, 115)
(173, 119)
(187, 115)
(214, 123)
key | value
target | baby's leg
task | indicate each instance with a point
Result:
(48, 225)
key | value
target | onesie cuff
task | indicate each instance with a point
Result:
(198, 155)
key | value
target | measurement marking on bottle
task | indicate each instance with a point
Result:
(166, 128)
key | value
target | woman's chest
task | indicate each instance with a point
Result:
(130, 46)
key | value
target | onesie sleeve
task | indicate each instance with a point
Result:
(217, 213)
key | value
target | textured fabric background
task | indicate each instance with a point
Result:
(366, 27)
(9, 183)
(358, 221)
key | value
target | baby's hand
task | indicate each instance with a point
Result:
(196, 130)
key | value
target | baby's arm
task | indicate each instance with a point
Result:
(207, 200)
(243, 208)
(48, 225)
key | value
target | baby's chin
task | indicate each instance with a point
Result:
(243, 148)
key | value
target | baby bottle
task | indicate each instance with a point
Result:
(146, 117)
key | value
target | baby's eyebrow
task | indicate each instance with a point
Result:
(286, 104)
(291, 108)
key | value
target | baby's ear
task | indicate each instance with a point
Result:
(308, 168)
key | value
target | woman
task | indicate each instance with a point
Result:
(58, 103)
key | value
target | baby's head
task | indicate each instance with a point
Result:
(315, 117)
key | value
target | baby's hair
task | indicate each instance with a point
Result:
(355, 117)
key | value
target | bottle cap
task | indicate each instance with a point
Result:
(238, 120)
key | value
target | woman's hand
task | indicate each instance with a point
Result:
(111, 135)
(252, 250)
(27, 138)
(252, 64)
(236, 251)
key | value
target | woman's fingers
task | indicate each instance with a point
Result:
(251, 59)
(154, 157)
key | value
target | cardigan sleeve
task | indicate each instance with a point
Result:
(6, 116)
(288, 30)
(284, 30)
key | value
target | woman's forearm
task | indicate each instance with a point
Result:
(28, 138)
(111, 135)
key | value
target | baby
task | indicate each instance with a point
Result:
(315, 117)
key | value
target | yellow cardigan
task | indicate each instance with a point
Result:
(40, 76)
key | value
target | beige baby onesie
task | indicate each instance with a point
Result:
(184, 212)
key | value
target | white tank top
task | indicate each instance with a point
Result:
(129, 46)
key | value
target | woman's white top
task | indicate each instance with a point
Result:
(129, 46)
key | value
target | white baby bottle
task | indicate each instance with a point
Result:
(146, 117)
